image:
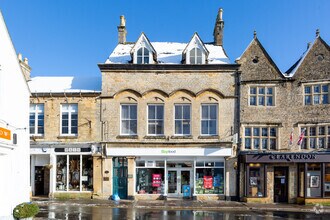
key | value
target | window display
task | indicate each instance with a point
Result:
(70, 177)
(313, 178)
(149, 181)
(209, 178)
(255, 181)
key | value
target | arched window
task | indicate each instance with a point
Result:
(142, 56)
(196, 56)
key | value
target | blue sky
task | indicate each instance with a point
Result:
(69, 37)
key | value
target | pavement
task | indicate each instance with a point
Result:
(180, 204)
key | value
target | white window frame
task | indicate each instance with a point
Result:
(314, 94)
(252, 137)
(142, 56)
(193, 53)
(190, 107)
(69, 111)
(121, 119)
(208, 119)
(155, 120)
(37, 110)
(306, 144)
(260, 95)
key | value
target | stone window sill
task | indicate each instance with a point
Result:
(182, 137)
(209, 137)
(127, 137)
(155, 137)
(67, 137)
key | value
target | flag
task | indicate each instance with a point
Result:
(291, 137)
(301, 136)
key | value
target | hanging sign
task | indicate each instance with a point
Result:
(5, 133)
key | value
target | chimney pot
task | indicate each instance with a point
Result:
(122, 21)
(122, 30)
(26, 61)
(20, 57)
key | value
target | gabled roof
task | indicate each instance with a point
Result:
(293, 69)
(65, 84)
(143, 41)
(195, 39)
(256, 40)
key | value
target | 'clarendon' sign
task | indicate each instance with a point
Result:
(285, 158)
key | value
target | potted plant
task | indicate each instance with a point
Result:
(26, 210)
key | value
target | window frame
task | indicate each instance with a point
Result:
(174, 116)
(163, 119)
(143, 56)
(70, 126)
(312, 94)
(264, 95)
(260, 137)
(306, 144)
(121, 119)
(37, 112)
(208, 120)
(193, 54)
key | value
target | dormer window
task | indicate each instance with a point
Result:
(142, 56)
(196, 56)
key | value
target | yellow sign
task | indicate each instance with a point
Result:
(5, 133)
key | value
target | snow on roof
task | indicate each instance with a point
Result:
(167, 53)
(68, 84)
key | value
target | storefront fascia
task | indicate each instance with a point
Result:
(46, 156)
(312, 168)
(173, 156)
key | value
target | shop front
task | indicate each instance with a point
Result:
(285, 177)
(155, 173)
(62, 171)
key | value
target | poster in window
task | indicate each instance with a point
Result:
(327, 187)
(156, 180)
(314, 181)
(208, 182)
(253, 181)
(216, 181)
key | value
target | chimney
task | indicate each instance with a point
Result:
(218, 29)
(26, 69)
(122, 30)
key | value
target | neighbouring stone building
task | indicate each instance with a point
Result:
(65, 136)
(285, 127)
(14, 133)
(168, 114)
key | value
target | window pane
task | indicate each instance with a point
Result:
(178, 127)
(256, 132)
(74, 130)
(325, 99)
(261, 100)
(139, 60)
(307, 100)
(269, 100)
(317, 89)
(264, 143)
(253, 90)
(264, 131)
(151, 128)
(133, 127)
(205, 127)
(253, 100)
(213, 127)
(321, 130)
(205, 112)
(65, 130)
(269, 91)
(307, 90)
(321, 142)
(61, 171)
(186, 127)
(247, 143)
(256, 143)
(160, 128)
(272, 143)
(124, 112)
(316, 99)
(261, 90)
(146, 51)
(325, 88)
(247, 131)
(213, 112)
(312, 131)
(186, 112)
(160, 112)
(178, 112)
(133, 112)
(151, 112)
(272, 132)
(312, 142)
(125, 127)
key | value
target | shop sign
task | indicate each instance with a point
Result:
(168, 151)
(5, 133)
(287, 158)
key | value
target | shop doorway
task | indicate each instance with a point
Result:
(179, 182)
(41, 181)
(280, 184)
(120, 177)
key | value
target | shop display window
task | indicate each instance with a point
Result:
(209, 177)
(327, 180)
(74, 173)
(150, 180)
(255, 181)
(313, 180)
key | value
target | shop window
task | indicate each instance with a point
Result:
(74, 173)
(255, 181)
(261, 96)
(61, 173)
(150, 180)
(317, 136)
(313, 180)
(209, 177)
(327, 180)
(264, 138)
(36, 119)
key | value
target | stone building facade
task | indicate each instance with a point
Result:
(65, 136)
(168, 119)
(284, 126)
